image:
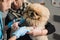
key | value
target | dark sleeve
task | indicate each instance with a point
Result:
(7, 20)
(50, 28)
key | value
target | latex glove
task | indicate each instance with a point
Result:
(20, 32)
(20, 22)
(10, 24)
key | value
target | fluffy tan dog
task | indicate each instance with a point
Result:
(37, 16)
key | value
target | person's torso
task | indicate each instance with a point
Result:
(16, 14)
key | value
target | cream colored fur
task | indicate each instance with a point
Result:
(41, 18)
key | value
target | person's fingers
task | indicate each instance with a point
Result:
(30, 33)
(15, 26)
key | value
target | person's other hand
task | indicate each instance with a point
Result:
(15, 26)
(20, 32)
(38, 32)
(35, 32)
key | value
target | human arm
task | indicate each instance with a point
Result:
(13, 23)
(13, 38)
(20, 32)
(49, 29)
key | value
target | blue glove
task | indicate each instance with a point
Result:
(9, 24)
(20, 22)
(21, 32)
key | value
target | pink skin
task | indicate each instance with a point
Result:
(17, 4)
(5, 5)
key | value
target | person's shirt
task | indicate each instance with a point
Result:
(1, 26)
(13, 14)
(50, 27)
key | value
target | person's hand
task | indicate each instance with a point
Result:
(35, 32)
(20, 32)
(12, 38)
(38, 32)
(15, 26)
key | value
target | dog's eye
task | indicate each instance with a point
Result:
(32, 14)
(36, 14)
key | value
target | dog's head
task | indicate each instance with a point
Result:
(32, 17)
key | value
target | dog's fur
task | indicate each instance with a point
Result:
(37, 15)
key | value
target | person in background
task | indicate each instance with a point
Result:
(4, 6)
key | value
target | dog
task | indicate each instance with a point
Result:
(37, 15)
